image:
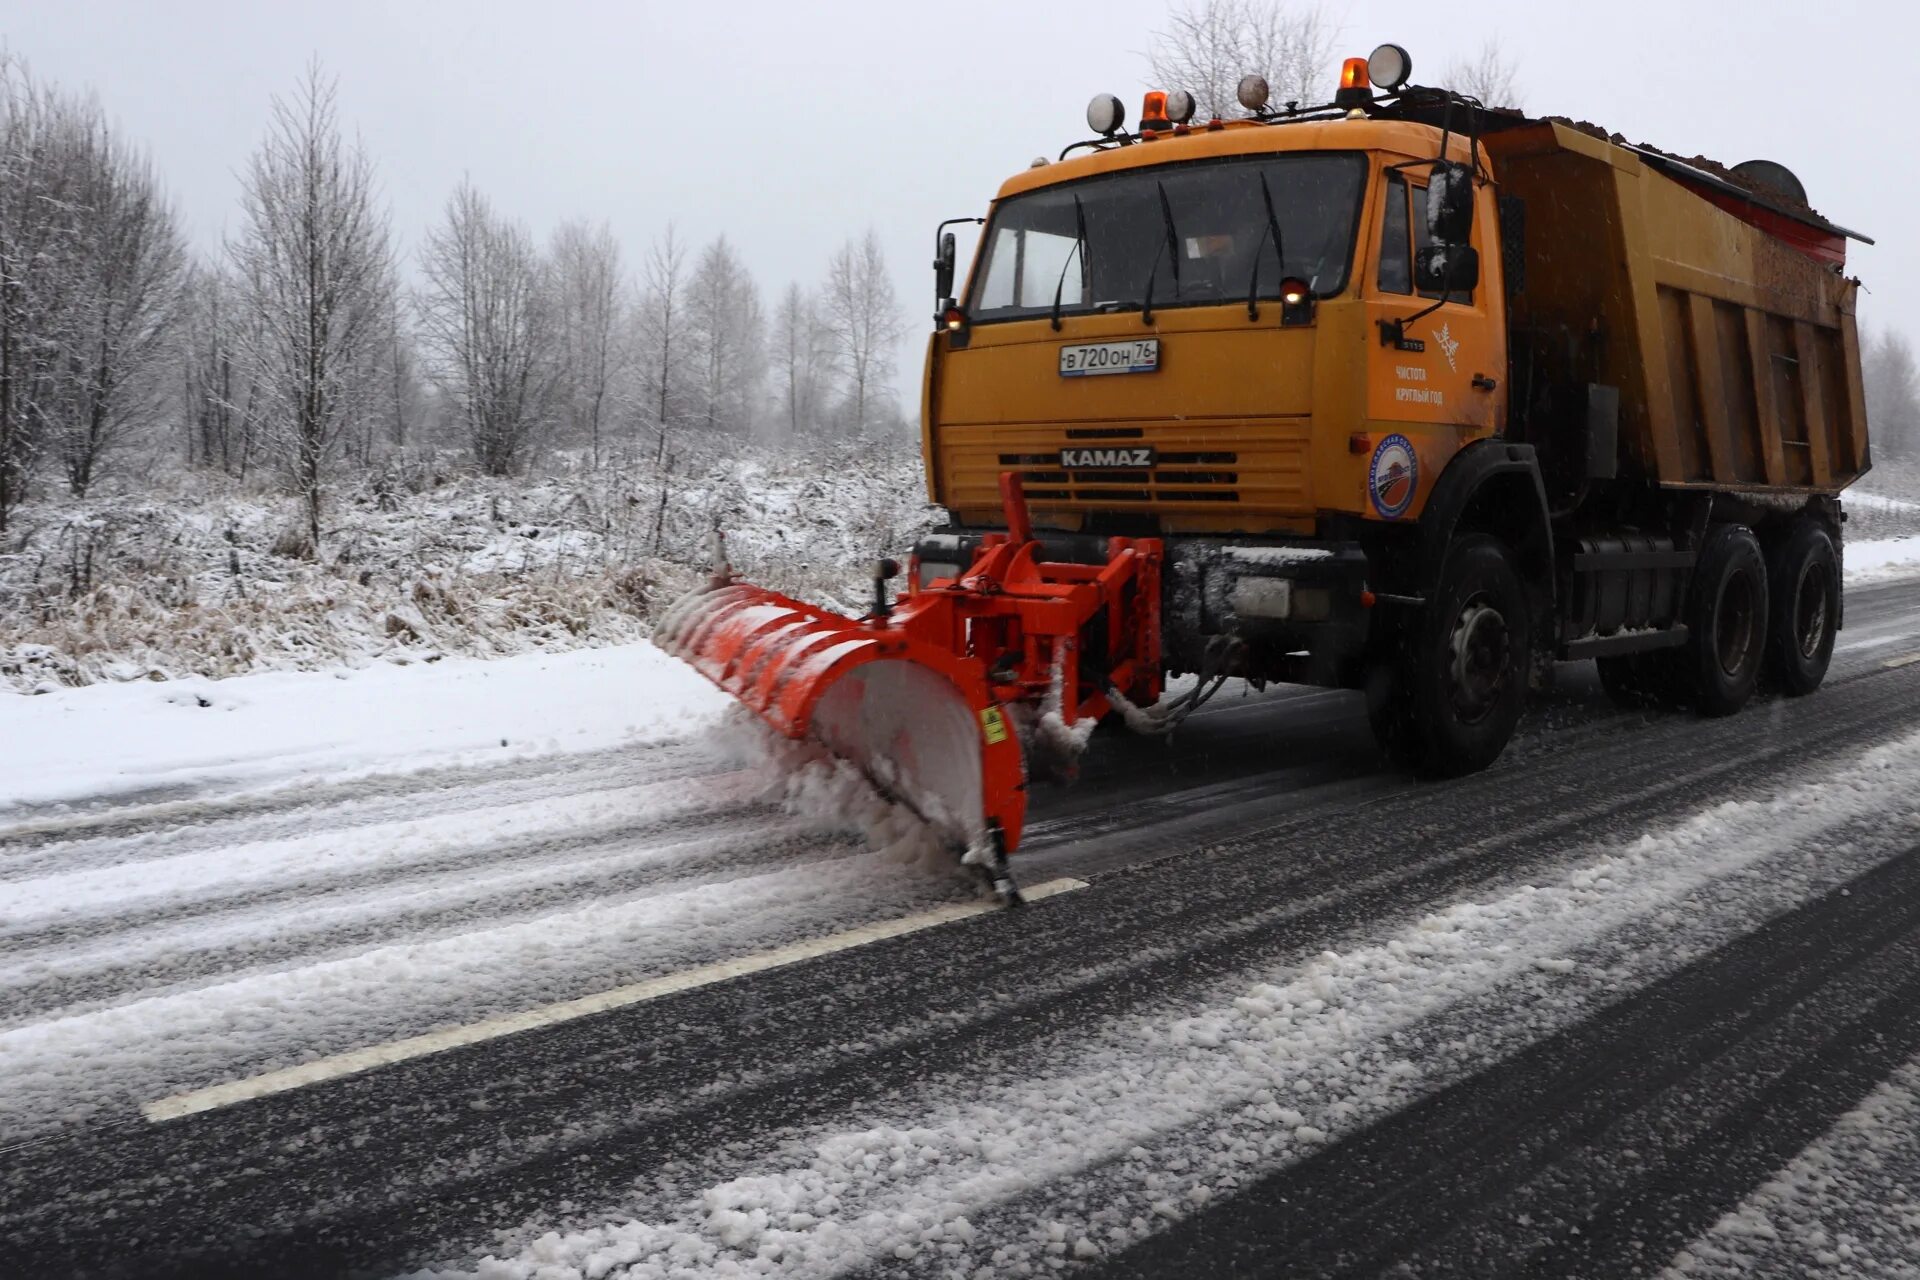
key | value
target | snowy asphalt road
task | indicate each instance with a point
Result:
(1579, 1015)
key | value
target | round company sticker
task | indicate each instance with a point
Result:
(1393, 476)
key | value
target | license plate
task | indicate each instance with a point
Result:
(1139, 356)
(1097, 458)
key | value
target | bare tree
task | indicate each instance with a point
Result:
(1209, 45)
(127, 260)
(1487, 76)
(1893, 394)
(864, 319)
(663, 306)
(41, 133)
(725, 327)
(589, 291)
(802, 362)
(316, 275)
(488, 324)
(221, 395)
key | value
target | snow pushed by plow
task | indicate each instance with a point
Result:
(374, 857)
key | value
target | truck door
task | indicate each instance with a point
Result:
(1448, 370)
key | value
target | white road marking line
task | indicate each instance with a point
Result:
(381, 1055)
(1877, 642)
(1903, 660)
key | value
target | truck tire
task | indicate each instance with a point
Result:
(1465, 679)
(1804, 611)
(1726, 621)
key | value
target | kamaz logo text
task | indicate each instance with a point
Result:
(1076, 458)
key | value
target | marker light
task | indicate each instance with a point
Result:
(1179, 106)
(955, 319)
(1153, 112)
(1390, 67)
(1296, 302)
(1105, 114)
(1356, 90)
(1253, 92)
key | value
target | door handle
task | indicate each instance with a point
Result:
(1481, 382)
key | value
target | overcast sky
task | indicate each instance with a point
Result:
(791, 126)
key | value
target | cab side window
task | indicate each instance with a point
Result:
(1396, 266)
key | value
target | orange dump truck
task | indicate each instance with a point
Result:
(1396, 394)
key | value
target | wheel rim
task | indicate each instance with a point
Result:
(1479, 661)
(1810, 610)
(1735, 624)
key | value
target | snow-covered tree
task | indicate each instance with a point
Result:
(590, 297)
(725, 331)
(487, 319)
(221, 392)
(802, 364)
(660, 339)
(1209, 45)
(864, 319)
(316, 276)
(90, 266)
(1893, 394)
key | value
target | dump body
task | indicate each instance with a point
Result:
(1735, 354)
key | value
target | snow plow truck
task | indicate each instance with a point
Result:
(1400, 394)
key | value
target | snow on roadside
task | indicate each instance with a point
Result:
(843, 858)
(1848, 1207)
(1882, 558)
(1168, 1108)
(306, 727)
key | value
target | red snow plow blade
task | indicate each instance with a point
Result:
(918, 720)
(921, 694)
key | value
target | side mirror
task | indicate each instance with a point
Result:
(1450, 204)
(1446, 268)
(943, 270)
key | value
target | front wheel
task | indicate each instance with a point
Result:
(1465, 675)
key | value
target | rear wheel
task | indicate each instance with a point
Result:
(1453, 701)
(1804, 608)
(1726, 621)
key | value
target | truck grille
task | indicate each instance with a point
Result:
(1167, 482)
(1211, 469)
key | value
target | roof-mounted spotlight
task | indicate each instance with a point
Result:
(1106, 114)
(1253, 92)
(1179, 106)
(1390, 67)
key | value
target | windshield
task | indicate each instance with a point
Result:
(1194, 230)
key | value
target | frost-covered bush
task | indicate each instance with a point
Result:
(421, 561)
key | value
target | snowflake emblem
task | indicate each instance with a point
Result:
(1448, 345)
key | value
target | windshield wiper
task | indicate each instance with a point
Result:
(1169, 247)
(1279, 252)
(1079, 247)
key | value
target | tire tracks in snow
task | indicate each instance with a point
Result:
(690, 1089)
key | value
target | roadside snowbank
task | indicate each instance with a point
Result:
(1883, 558)
(179, 735)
